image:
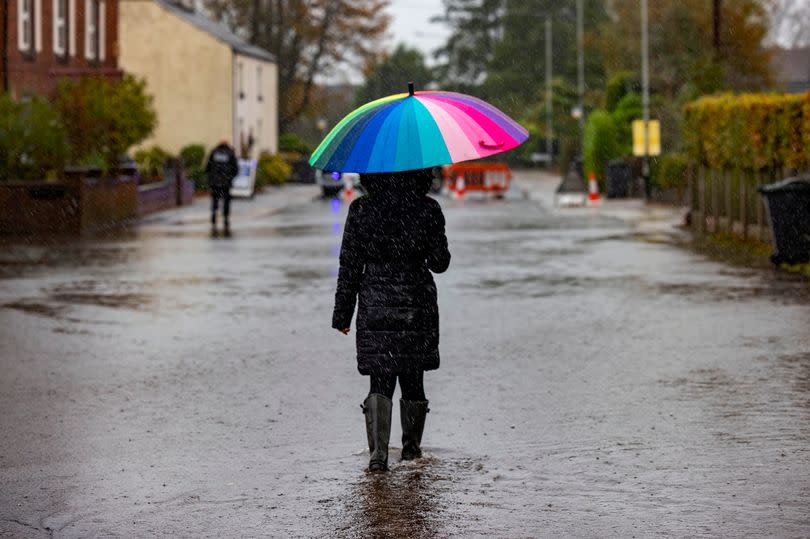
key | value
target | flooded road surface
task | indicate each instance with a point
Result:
(597, 380)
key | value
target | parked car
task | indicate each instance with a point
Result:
(332, 183)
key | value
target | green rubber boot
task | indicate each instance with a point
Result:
(377, 409)
(412, 415)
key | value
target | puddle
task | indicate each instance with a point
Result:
(418, 499)
(38, 309)
(115, 301)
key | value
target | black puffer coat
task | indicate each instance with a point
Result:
(393, 238)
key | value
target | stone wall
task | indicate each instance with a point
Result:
(174, 190)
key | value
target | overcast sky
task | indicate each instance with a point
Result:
(410, 24)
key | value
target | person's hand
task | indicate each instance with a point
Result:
(345, 331)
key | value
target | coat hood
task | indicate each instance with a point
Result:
(397, 184)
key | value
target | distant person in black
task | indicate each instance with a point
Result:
(221, 169)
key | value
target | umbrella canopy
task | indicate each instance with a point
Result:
(416, 130)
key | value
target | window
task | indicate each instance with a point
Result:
(258, 131)
(241, 76)
(25, 25)
(91, 29)
(259, 83)
(60, 27)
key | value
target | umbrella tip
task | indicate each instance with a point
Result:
(410, 88)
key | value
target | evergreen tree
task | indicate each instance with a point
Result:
(391, 74)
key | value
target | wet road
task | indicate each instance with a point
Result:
(597, 380)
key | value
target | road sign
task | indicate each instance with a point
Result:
(245, 181)
(654, 130)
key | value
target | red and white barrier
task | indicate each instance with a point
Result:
(594, 198)
(460, 188)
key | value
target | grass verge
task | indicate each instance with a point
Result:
(743, 252)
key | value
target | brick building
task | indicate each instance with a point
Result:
(43, 41)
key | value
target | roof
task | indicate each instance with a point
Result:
(792, 67)
(217, 30)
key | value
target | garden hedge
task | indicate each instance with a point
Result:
(749, 131)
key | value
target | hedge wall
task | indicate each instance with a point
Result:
(749, 131)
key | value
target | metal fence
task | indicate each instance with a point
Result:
(727, 201)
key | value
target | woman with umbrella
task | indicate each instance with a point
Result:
(394, 238)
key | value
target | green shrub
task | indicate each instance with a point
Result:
(272, 170)
(193, 157)
(618, 86)
(669, 170)
(151, 162)
(601, 143)
(749, 131)
(105, 117)
(33, 140)
(629, 108)
(292, 143)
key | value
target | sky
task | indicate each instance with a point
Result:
(410, 24)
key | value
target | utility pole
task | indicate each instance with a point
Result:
(581, 64)
(549, 100)
(645, 94)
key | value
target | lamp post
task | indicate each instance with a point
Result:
(549, 100)
(645, 95)
(581, 65)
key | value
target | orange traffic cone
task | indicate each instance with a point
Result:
(460, 188)
(348, 188)
(594, 199)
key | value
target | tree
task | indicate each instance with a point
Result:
(475, 29)
(309, 38)
(496, 47)
(791, 22)
(681, 44)
(33, 140)
(517, 67)
(105, 117)
(391, 74)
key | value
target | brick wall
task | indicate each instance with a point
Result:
(38, 71)
(70, 207)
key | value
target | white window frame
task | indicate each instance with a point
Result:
(25, 20)
(259, 96)
(91, 37)
(72, 27)
(38, 25)
(102, 29)
(61, 27)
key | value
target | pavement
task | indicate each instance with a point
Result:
(598, 379)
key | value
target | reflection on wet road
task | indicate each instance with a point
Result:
(597, 380)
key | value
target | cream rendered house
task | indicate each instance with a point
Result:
(208, 84)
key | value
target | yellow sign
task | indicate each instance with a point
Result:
(654, 144)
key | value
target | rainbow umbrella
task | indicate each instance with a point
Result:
(416, 130)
